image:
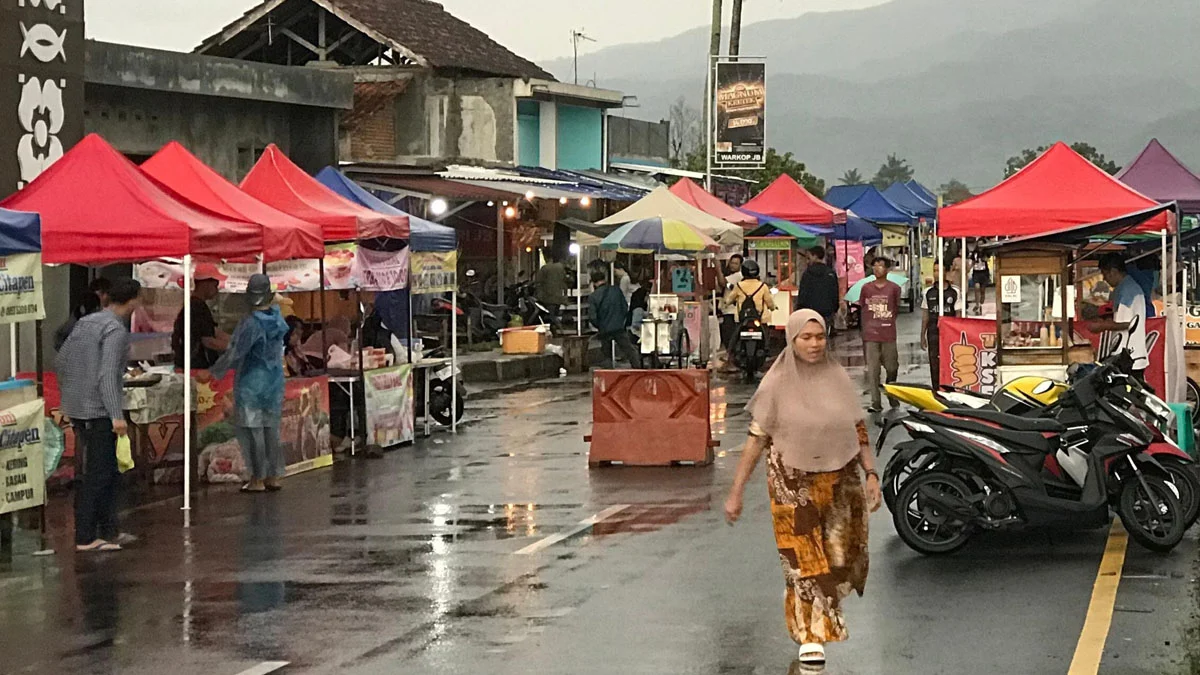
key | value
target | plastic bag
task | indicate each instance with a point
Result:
(53, 447)
(124, 453)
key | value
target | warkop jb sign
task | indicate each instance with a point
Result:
(741, 106)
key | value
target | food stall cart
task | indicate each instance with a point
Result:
(1033, 287)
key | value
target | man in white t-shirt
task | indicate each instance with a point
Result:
(1127, 328)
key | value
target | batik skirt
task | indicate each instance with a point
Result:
(821, 532)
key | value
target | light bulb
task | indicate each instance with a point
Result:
(438, 206)
(585, 202)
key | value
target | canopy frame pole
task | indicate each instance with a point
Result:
(579, 292)
(962, 290)
(499, 255)
(940, 277)
(13, 338)
(612, 274)
(1164, 264)
(187, 386)
(453, 356)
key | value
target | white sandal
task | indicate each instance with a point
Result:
(812, 654)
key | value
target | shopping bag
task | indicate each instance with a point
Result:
(124, 454)
(54, 446)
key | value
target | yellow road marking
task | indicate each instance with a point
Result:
(1090, 648)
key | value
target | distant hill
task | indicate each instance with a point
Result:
(955, 86)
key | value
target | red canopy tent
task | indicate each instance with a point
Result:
(283, 185)
(1057, 191)
(695, 195)
(788, 200)
(97, 207)
(284, 237)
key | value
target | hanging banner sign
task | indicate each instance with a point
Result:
(21, 288)
(381, 270)
(741, 106)
(775, 244)
(894, 237)
(850, 268)
(22, 469)
(1156, 348)
(339, 267)
(434, 272)
(1192, 328)
(286, 276)
(291, 276)
(389, 398)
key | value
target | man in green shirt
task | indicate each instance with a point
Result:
(551, 284)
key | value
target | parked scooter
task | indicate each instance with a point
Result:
(1036, 397)
(440, 386)
(751, 351)
(981, 469)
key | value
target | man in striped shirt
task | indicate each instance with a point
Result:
(91, 368)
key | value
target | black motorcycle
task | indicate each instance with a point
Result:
(750, 351)
(967, 470)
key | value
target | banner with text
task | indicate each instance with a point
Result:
(741, 106)
(850, 268)
(21, 288)
(381, 270)
(434, 271)
(21, 465)
(389, 398)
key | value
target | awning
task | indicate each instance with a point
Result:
(775, 228)
(597, 185)
(1058, 191)
(922, 192)
(857, 229)
(1081, 235)
(425, 235)
(20, 232)
(97, 207)
(280, 183)
(284, 237)
(429, 187)
(869, 203)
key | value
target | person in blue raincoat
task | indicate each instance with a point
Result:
(256, 356)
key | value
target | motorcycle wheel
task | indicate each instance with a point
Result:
(894, 479)
(1187, 481)
(1158, 531)
(1193, 401)
(749, 361)
(921, 525)
(439, 404)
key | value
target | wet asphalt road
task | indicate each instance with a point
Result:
(408, 564)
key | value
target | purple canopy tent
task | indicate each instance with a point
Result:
(1159, 175)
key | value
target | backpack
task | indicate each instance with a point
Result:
(749, 310)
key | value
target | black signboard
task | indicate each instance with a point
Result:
(41, 86)
(741, 105)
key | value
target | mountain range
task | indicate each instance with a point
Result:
(954, 86)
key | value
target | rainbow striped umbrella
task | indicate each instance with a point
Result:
(661, 236)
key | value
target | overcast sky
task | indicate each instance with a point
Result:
(535, 29)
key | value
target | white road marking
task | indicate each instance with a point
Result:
(264, 668)
(583, 525)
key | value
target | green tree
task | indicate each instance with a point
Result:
(894, 170)
(852, 177)
(774, 166)
(955, 191)
(1089, 152)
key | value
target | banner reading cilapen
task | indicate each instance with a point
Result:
(21, 288)
(741, 106)
(22, 471)
(434, 271)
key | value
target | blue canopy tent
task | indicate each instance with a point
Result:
(922, 192)
(903, 196)
(869, 203)
(857, 229)
(20, 232)
(426, 235)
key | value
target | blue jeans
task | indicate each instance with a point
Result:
(261, 451)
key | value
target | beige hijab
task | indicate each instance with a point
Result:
(809, 410)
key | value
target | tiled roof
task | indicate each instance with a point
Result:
(444, 40)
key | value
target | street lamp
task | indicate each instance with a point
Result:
(510, 212)
(529, 195)
(573, 248)
(438, 206)
(585, 202)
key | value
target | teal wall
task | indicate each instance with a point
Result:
(580, 138)
(529, 133)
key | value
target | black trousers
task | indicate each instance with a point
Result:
(96, 497)
(624, 347)
(935, 360)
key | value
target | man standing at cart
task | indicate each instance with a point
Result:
(1127, 327)
(948, 298)
(91, 370)
(607, 311)
(208, 341)
(880, 301)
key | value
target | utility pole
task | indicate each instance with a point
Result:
(576, 36)
(714, 48)
(735, 29)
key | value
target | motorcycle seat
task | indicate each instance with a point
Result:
(1014, 422)
(1020, 440)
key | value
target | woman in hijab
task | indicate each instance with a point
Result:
(821, 478)
(256, 356)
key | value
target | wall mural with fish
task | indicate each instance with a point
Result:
(41, 86)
